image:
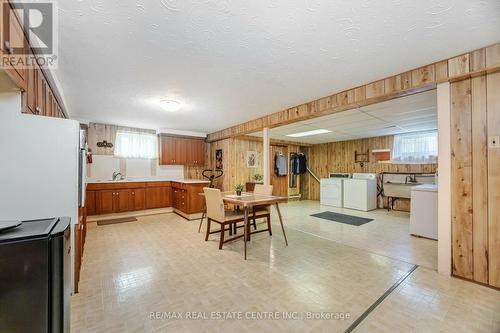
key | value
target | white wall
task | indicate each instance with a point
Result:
(444, 179)
(103, 166)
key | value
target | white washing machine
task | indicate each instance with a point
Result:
(360, 191)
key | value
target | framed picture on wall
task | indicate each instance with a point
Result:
(252, 159)
(218, 159)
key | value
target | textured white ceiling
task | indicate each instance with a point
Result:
(232, 61)
(402, 115)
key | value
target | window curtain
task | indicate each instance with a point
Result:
(415, 148)
(136, 145)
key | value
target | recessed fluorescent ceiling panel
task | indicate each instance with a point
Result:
(309, 133)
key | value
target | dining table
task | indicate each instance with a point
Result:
(246, 201)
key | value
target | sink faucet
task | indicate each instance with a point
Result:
(116, 174)
(410, 179)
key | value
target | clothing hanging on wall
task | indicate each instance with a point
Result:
(299, 164)
(280, 164)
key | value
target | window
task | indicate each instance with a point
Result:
(415, 148)
(136, 145)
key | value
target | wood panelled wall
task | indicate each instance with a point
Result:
(339, 157)
(234, 162)
(97, 132)
(414, 81)
(475, 116)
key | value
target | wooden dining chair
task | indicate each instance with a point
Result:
(216, 212)
(263, 211)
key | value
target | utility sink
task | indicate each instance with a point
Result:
(399, 190)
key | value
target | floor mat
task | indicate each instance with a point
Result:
(343, 218)
(114, 221)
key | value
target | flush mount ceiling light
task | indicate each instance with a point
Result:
(309, 133)
(170, 105)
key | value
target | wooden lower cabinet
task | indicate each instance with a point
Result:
(119, 201)
(180, 199)
(90, 203)
(122, 201)
(108, 198)
(80, 235)
(105, 202)
(138, 199)
(195, 200)
(187, 198)
(158, 197)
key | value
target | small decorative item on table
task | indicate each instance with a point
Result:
(238, 188)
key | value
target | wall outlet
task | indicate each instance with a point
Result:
(494, 142)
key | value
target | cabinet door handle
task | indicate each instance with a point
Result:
(9, 48)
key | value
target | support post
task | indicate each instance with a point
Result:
(266, 157)
(444, 179)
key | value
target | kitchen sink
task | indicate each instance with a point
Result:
(108, 180)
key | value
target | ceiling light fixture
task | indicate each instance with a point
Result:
(309, 133)
(170, 105)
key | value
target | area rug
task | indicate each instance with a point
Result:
(114, 221)
(343, 218)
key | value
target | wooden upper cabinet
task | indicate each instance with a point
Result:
(38, 97)
(167, 150)
(55, 112)
(41, 93)
(13, 45)
(31, 91)
(60, 113)
(181, 151)
(199, 152)
(49, 103)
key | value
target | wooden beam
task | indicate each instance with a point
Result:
(275, 142)
(471, 64)
(461, 174)
(479, 180)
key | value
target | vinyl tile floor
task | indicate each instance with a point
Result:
(159, 275)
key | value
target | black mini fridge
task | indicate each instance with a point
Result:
(35, 277)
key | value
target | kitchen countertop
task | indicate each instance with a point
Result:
(148, 179)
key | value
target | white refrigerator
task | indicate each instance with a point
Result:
(39, 158)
